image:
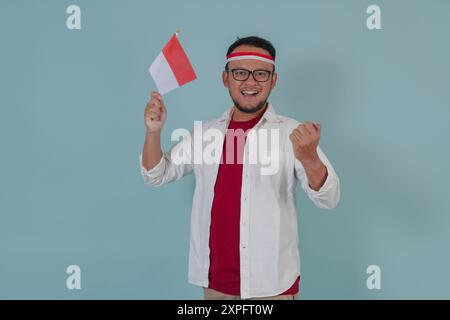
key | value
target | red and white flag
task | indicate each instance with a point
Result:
(172, 69)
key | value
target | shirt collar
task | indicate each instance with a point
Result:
(270, 115)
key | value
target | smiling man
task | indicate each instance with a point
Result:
(244, 235)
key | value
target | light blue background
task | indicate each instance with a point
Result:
(71, 130)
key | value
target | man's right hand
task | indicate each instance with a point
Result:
(155, 113)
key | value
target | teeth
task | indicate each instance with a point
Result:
(248, 92)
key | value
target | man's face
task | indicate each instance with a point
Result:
(249, 96)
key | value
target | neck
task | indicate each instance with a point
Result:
(242, 116)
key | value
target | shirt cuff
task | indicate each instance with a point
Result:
(155, 171)
(327, 184)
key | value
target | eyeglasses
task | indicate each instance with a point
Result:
(244, 74)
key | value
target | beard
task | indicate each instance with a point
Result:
(254, 109)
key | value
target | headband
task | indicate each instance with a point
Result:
(250, 55)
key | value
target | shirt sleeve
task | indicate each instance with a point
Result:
(174, 164)
(327, 197)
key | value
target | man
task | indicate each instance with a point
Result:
(244, 241)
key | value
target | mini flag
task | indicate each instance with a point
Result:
(171, 69)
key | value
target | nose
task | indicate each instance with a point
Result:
(251, 80)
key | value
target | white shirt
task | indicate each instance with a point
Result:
(269, 254)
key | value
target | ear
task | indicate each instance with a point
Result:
(225, 79)
(274, 80)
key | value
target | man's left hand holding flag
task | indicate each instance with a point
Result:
(170, 70)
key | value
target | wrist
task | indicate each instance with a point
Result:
(313, 163)
(153, 134)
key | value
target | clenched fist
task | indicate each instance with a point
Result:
(305, 139)
(155, 113)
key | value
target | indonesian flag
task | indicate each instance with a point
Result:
(172, 69)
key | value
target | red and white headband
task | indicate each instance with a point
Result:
(250, 55)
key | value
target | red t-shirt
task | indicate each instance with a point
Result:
(224, 270)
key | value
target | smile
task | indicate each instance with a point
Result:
(249, 92)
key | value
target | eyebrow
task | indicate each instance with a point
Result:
(242, 68)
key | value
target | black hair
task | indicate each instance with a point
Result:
(253, 41)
